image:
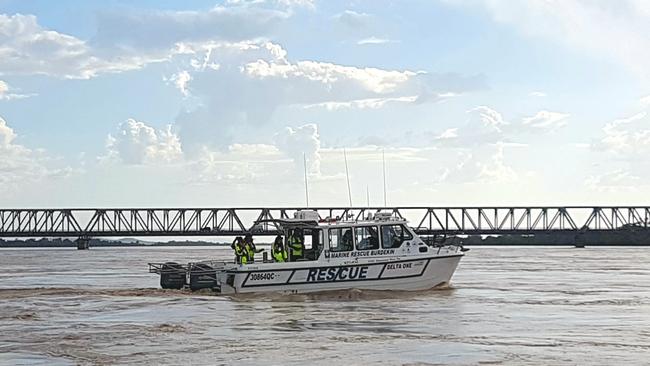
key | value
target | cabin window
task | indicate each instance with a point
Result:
(392, 236)
(313, 243)
(340, 239)
(367, 237)
(308, 240)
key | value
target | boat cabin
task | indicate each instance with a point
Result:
(336, 238)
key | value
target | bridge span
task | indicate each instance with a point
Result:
(141, 222)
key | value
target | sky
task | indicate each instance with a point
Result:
(212, 104)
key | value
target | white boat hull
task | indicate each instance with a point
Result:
(405, 274)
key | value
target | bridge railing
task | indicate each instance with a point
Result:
(238, 221)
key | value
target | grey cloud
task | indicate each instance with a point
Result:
(295, 142)
(154, 30)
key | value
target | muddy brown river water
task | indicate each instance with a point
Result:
(506, 306)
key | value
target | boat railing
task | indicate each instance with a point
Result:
(166, 267)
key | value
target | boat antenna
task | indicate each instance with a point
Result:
(383, 165)
(347, 176)
(367, 196)
(304, 161)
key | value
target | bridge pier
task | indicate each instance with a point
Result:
(579, 241)
(83, 243)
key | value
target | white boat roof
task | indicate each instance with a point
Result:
(362, 222)
(328, 222)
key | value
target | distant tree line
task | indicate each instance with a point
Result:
(66, 242)
(630, 236)
(637, 236)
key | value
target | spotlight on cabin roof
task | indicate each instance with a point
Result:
(383, 216)
(306, 215)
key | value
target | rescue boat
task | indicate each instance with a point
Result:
(376, 253)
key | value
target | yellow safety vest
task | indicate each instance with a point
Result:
(240, 252)
(250, 252)
(296, 246)
(278, 253)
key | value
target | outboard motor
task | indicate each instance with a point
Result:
(172, 276)
(202, 276)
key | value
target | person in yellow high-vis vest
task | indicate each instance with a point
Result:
(241, 255)
(296, 244)
(250, 248)
(278, 252)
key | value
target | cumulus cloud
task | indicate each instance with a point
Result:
(626, 137)
(282, 161)
(485, 125)
(482, 141)
(28, 48)
(234, 83)
(255, 78)
(8, 93)
(290, 4)
(485, 164)
(645, 101)
(180, 80)
(338, 77)
(369, 103)
(239, 164)
(7, 134)
(487, 117)
(126, 40)
(211, 168)
(545, 120)
(373, 41)
(294, 142)
(495, 170)
(614, 181)
(137, 143)
(625, 145)
(20, 165)
(353, 19)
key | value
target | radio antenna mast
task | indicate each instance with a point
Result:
(383, 165)
(304, 161)
(347, 176)
(367, 196)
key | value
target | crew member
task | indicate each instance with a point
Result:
(278, 252)
(346, 240)
(250, 249)
(296, 244)
(241, 255)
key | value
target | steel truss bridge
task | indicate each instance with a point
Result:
(140, 222)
